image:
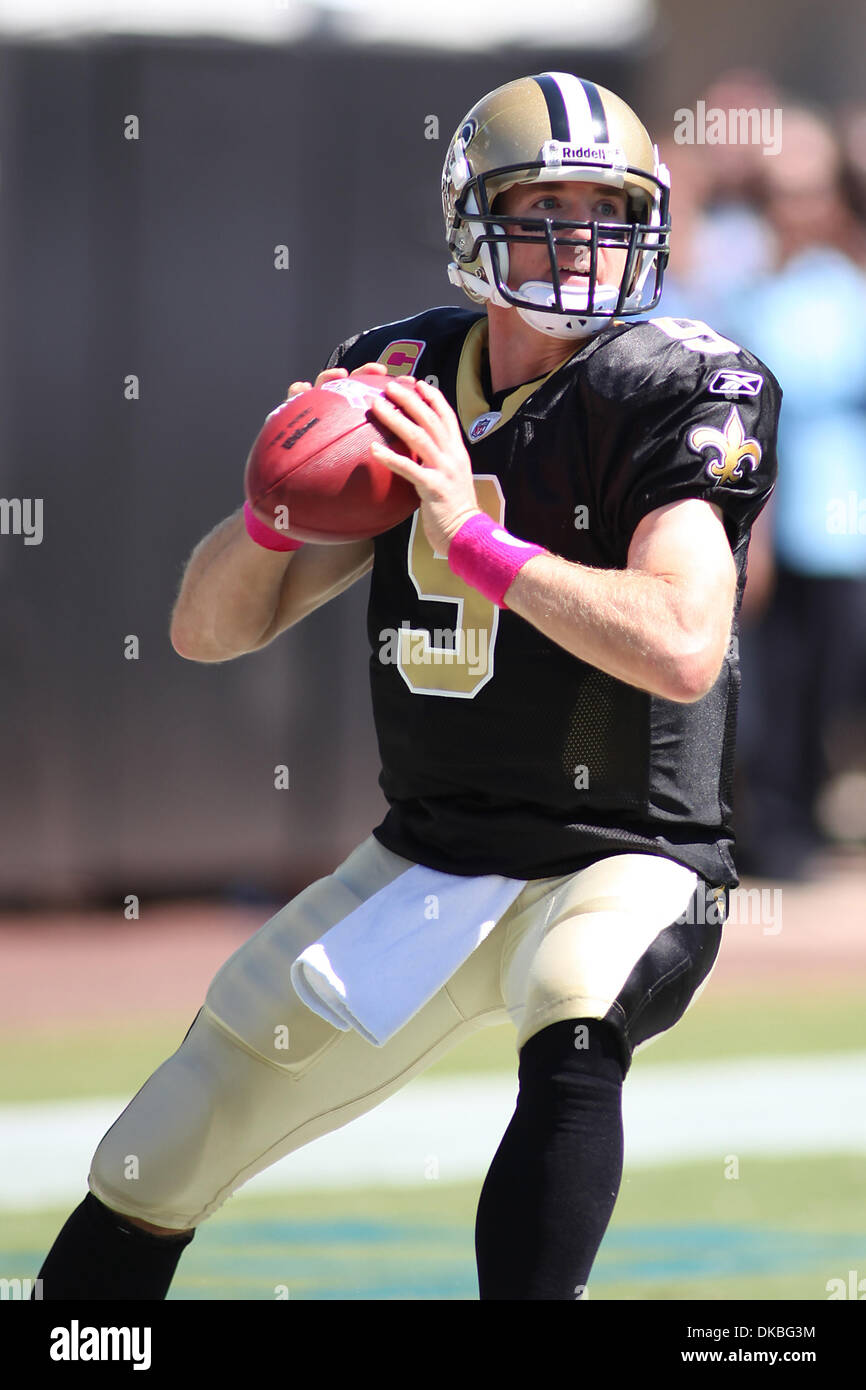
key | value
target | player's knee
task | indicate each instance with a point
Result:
(669, 975)
(573, 1048)
(144, 1167)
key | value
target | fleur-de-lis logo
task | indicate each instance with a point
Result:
(730, 448)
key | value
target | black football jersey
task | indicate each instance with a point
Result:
(501, 752)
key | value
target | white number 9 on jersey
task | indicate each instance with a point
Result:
(694, 334)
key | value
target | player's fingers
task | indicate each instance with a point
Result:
(440, 407)
(434, 398)
(297, 387)
(398, 463)
(330, 374)
(411, 430)
(376, 368)
(407, 398)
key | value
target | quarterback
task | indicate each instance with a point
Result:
(559, 785)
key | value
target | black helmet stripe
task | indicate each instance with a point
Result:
(559, 89)
(556, 109)
(596, 108)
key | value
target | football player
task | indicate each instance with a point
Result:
(554, 676)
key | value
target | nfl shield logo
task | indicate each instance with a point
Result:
(480, 427)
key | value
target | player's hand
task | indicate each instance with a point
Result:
(334, 374)
(441, 471)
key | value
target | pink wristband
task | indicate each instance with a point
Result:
(486, 556)
(265, 535)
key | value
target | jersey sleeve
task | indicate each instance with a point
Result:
(336, 357)
(698, 425)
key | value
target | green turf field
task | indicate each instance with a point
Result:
(780, 1230)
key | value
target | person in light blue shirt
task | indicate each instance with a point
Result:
(809, 320)
(804, 662)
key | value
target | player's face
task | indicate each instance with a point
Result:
(572, 202)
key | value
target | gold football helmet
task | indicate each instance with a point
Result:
(550, 127)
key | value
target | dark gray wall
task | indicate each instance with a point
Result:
(155, 257)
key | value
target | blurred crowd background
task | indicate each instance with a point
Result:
(771, 251)
(146, 332)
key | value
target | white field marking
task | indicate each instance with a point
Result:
(785, 1107)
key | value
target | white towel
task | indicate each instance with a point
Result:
(374, 970)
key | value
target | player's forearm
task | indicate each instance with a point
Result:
(640, 628)
(228, 595)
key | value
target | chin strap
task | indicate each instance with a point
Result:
(575, 322)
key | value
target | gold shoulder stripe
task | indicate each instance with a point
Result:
(470, 398)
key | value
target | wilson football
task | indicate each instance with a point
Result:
(310, 474)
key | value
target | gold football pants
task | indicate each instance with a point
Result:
(259, 1074)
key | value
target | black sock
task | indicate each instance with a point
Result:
(551, 1189)
(100, 1255)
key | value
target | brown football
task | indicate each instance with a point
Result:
(310, 474)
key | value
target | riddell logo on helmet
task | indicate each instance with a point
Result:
(554, 153)
(586, 152)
